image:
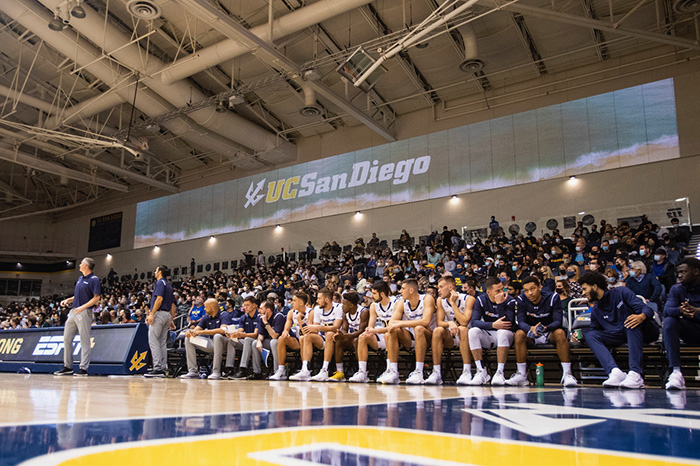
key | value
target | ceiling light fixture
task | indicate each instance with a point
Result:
(78, 11)
(56, 24)
(221, 107)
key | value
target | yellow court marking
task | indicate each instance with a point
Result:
(236, 448)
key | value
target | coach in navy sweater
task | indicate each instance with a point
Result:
(618, 317)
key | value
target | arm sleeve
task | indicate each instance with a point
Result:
(656, 284)
(522, 315)
(159, 289)
(557, 313)
(95, 286)
(509, 311)
(477, 317)
(637, 305)
(673, 303)
(260, 326)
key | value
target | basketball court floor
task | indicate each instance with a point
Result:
(132, 421)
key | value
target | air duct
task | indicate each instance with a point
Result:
(471, 63)
(288, 24)
(32, 16)
(310, 108)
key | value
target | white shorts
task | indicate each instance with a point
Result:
(543, 339)
(381, 343)
(488, 339)
(412, 332)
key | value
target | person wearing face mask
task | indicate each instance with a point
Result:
(645, 256)
(663, 270)
(555, 258)
(517, 273)
(643, 283)
(618, 317)
(613, 277)
(572, 276)
(607, 252)
(489, 270)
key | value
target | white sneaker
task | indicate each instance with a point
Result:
(359, 377)
(279, 375)
(301, 376)
(322, 376)
(517, 379)
(415, 378)
(498, 379)
(568, 380)
(435, 378)
(481, 377)
(465, 378)
(390, 377)
(675, 382)
(633, 380)
(615, 378)
(214, 376)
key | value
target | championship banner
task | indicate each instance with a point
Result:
(116, 349)
(627, 127)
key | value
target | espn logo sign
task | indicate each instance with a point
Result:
(53, 345)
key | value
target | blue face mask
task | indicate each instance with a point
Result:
(642, 252)
(657, 257)
(502, 279)
(605, 248)
(611, 280)
(570, 274)
(633, 273)
(515, 268)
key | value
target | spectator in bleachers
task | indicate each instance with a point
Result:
(663, 270)
(613, 277)
(680, 234)
(642, 283)
(433, 256)
(493, 321)
(404, 240)
(572, 275)
(618, 316)
(196, 312)
(494, 226)
(682, 318)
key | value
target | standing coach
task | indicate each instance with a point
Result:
(85, 297)
(158, 321)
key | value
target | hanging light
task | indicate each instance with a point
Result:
(78, 11)
(56, 24)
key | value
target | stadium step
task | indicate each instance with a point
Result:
(694, 246)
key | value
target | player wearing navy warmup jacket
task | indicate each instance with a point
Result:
(540, 322)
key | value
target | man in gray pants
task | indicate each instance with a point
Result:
(86, 295)
(158, 320)
(209, 326)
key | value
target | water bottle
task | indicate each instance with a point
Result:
(539, 372)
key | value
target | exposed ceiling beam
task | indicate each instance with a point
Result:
(529, 43)
(596, 34)
(411, 70)
(604, 26)
(267, 52)
(22, 158)
(30, 140)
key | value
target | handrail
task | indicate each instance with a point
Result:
(573, 308)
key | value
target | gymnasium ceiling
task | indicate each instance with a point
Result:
(140, 97)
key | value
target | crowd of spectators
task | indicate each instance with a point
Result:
(642, 258)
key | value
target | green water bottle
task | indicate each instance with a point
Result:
(539, 372)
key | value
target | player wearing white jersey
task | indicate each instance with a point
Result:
(327, 319)
(415, 312)
(297, 317)
(454, 312)
(380, 312)
(355, 320)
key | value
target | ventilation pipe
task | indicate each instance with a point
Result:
(33, 17)
(286, 25)
(310, 108)
(471, 63)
